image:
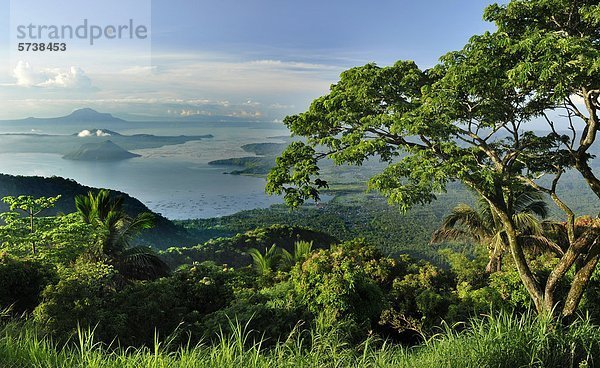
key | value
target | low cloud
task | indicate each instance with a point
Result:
(72, 78)
(93, 133)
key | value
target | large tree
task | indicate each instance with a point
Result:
(556, 48)
(466, 119)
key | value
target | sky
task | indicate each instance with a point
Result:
(248, 59)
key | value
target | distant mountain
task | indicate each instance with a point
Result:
(85, 115)
(164, 234)
(103, 151)
(90, 115)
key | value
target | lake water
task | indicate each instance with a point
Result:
(175, 181)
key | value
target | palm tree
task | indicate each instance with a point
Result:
(302, 250)
(482, 225)
(118, 230)
(265, 263)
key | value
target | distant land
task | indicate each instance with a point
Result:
(66, 144)
(254, 165)
(103, 151)
(87, 114)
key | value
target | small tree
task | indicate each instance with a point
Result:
(32, 207)
(481, 225)
(267, 262)
(107, 215)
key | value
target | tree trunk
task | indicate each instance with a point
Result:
(581, 245)
(578, 286)
(587, 173)
(531, 284)
(32, 230)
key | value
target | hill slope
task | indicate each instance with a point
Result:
(165, 234)
(103, 151)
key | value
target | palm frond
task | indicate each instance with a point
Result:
(462, 214)
(450, 234)
(463, 223)
(128, 228)
(142, 263)
(539, 243)
(264, 263)
(497, 243)
(531, 201)
(84, 208)
(302, 250)
(287, 258)
(527, 223)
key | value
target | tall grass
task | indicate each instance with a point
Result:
(494, 341)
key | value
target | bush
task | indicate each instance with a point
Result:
(345, 282)
(268, 315)
(22, 281)
(170, 305)
(93, 295)
(79, 298)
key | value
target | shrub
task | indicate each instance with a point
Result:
(79, 298)
(22, 281)
(346, 282)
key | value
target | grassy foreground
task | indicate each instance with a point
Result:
(501, 341)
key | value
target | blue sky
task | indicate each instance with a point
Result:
(253, 59)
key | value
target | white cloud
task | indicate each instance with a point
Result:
(278, 106)
(137, 70)
(27, 76)
(98, 133)
(72, 78)
(185, 84)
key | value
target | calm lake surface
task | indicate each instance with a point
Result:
(175, 181)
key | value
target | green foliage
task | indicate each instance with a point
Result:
(511, 289)
(269, 315)
(92, 295)
(29, 204)
(470, 271)
(79, 298)
(59, 240)
(345, 282)
(347, 216)
(419, 298)
(302, 250)
(468, 119)
(483, 226)
(171, 306)
(233, 250)
(31, 207)
(118, 229)
(22, 281)
(165, 233)
(265, 263)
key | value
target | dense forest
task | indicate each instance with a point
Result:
(467, 237)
